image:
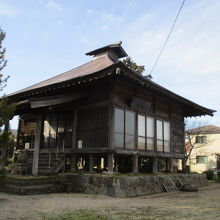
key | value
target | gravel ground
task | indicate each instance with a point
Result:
(204, 204)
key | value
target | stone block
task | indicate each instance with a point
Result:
(116, 182)
(98, 180)
(124, 182)
(141, 191)
(108, 181)
(131, 192)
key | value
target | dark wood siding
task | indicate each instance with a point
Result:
(93, 128)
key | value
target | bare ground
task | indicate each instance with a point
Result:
(204, 204)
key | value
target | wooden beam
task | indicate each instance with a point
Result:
(55, 100)
(95, 105)
(37, 145)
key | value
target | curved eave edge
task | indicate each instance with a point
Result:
(170, 94)
(59, 85)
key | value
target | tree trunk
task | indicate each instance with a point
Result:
(4, 147)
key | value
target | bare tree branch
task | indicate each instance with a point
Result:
(192, 131)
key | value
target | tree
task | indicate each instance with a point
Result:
(3, 61)
(193, 130)
(133, 66)
(6, 111)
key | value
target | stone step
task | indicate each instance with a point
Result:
(31, 181)
(30, 190)
(45, 171)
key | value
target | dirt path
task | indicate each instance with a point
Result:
(204, 204)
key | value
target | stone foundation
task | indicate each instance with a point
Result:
(115, 185)
(127, 186)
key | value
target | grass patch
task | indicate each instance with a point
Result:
(80, 215)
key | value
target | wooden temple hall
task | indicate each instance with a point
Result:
(100, 116)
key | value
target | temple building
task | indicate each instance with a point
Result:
(101, 116)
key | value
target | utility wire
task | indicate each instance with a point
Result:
(167, 38)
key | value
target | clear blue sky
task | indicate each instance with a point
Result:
(48, 37)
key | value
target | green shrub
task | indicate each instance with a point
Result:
(218, 174)
(210, 174)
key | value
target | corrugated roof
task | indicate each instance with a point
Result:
(91, 67)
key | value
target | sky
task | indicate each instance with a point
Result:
(48, 37)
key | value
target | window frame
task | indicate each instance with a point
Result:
(48, 117)
(201, 139)
(204, 158)
(163, 136)
(124, 130)
(145, 137)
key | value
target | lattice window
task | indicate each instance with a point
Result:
(92, 129)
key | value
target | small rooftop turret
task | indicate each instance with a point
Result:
(113, 50)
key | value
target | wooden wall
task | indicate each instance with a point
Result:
(144, 101)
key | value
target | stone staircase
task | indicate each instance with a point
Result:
(49, 163)
(21, 185)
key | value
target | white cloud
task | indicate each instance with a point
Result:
(104, 19)
(52, 4)
(105, 27)
(7, 11)
(60, 22)
(90, 11)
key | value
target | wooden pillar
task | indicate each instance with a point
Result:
(4, 147)
(37, 146)
(91, 162)
(116, 164)
(110, 162)
(74, 134)
(135, 164)
(155, 169)
(73, 163)
(111, 117)
(171, 164)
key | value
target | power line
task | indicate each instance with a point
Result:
(167, 37)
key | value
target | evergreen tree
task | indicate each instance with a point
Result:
(6, 111)
(133, 66)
